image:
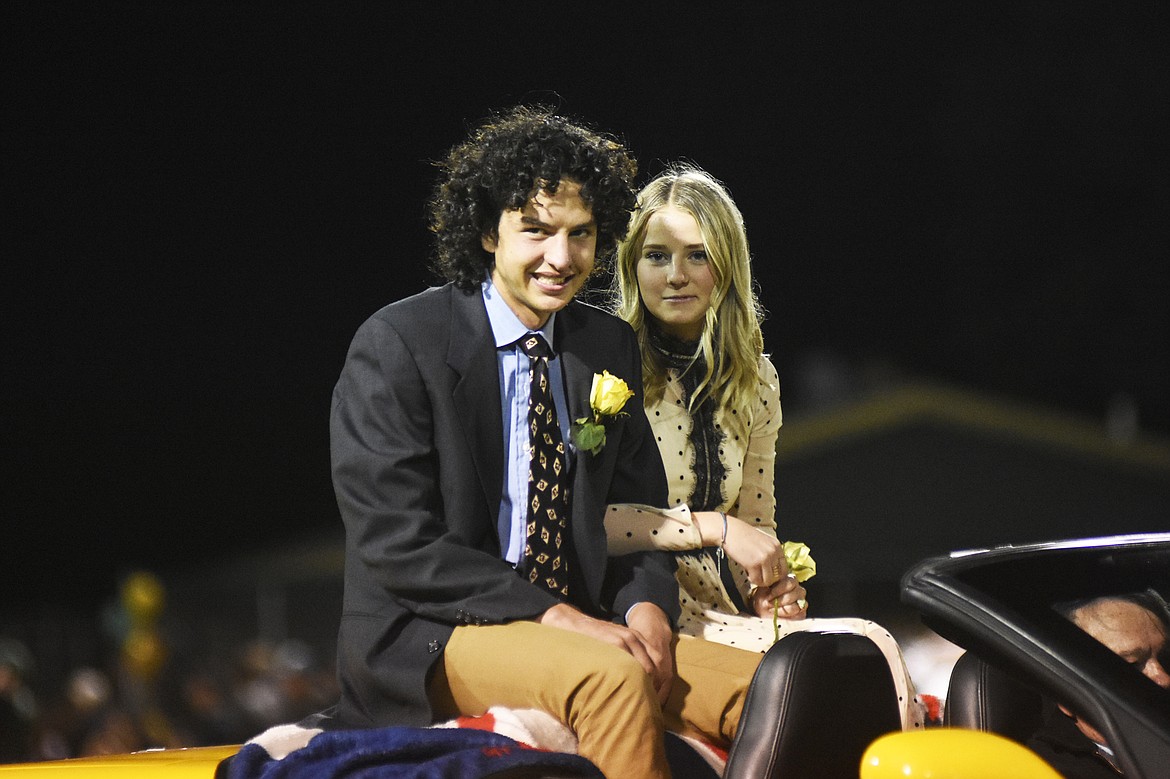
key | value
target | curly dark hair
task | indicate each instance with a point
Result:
(503, 164)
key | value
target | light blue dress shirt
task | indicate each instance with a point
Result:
(515, 384)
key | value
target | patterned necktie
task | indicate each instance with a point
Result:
(546, 550)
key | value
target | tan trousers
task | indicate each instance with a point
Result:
(599, 691)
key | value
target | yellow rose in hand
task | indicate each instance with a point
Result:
(609, 394)
(801, 567)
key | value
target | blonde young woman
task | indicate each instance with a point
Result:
(683, 281)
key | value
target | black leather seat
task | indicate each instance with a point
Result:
(816, 702)
(983, 697)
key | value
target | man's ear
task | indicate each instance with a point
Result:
(490, 242)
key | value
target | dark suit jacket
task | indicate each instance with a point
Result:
(418, 468)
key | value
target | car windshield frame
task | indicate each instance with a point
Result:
(998, 603)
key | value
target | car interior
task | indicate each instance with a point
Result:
(835, 697)
(1023, 655)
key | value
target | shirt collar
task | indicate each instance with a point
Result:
(506, 326)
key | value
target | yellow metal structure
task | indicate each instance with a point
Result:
(196, 763)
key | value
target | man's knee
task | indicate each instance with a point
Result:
(616, 676)
(612, 692)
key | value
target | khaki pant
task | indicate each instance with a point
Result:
(599, 691)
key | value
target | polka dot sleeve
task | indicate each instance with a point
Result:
(633, 528)
(757, 493)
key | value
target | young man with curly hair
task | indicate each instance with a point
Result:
(444, 613)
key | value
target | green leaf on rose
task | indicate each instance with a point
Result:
(587, 435)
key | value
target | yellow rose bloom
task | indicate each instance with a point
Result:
(609, 394)
(800, 562)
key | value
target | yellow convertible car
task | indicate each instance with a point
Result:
(1024, 657)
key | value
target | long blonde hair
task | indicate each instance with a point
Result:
(731, 342)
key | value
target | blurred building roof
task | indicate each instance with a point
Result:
(917, 470)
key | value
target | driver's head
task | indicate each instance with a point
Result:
(1135, 627)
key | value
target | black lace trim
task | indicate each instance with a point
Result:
(685, 358)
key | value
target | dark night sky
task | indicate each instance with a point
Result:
(203, 202)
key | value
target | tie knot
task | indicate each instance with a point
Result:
(534, 346)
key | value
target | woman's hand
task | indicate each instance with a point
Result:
(787, 599)
(760, 554)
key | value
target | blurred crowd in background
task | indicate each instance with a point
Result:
(150, 686)
(182, 666)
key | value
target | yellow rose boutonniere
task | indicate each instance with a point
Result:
(606, 399)
(801, 566)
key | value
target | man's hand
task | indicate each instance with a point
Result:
(651, 624)
(647, 638)
(787, 597)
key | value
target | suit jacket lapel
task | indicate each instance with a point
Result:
(471, 354)
(578, 381)
(579, 358)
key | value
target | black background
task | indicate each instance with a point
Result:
(204, 201)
